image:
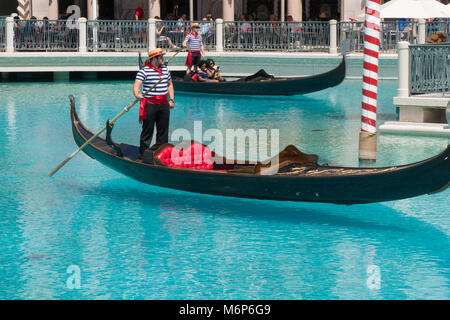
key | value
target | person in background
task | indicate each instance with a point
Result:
(245, 26)
(160, 30)
(294, 27)
(139, 13)
(170, 16)
(196, 51)
(404, 28)
(139, 29)
(206, 30)
(154, 107)
(181, 24)
(205, 27)
(183, 18)
(403, 24)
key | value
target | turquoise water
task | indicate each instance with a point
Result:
(134, 241)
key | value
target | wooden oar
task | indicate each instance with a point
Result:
(126, 109)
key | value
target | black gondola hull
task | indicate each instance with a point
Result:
(277, 86)
(402, 182)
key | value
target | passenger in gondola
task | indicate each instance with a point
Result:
(213, 72)
(196, 51)
(154, 107)
(202, 75)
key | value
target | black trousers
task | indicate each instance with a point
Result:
(195, 59)
(158, 114)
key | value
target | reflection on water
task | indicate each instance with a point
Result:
(11, 111)
(134, 241)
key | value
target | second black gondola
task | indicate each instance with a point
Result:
(263, 85)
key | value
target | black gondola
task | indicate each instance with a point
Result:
(299, 176)
(261, 83)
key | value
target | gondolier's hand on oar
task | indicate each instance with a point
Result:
(139, 96)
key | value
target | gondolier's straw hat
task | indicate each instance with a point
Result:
(195, 25)
(155, 52)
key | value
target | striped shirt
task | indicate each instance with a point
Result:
(150, 76)
(194, 41)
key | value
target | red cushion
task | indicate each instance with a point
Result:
(196, 156)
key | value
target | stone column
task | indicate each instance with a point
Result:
(228, 10)
(53, 10)
(295, 9)
(89, 9)
(422, 32)
(92, 9)
(351, 9)
(191, 10)
(283, 10)
(24, 9)
(9, 34)
(333, 36)
(95, 10)
(154, 9)
(403, 69)
(82, 35)
(92, 12)
(151, 33)
(219, 35)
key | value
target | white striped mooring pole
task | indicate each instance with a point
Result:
(368, 133)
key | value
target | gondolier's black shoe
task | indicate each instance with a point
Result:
(147, 156)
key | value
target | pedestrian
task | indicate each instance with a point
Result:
(139, 13)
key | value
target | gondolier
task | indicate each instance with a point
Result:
(196, 51)
(155, 106)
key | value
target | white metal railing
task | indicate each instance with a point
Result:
(266, 36)
(47, 35)
(353, 31)
(113, 35)
(2, 34)
(391, 32)
(117, 35)
(429, 68)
